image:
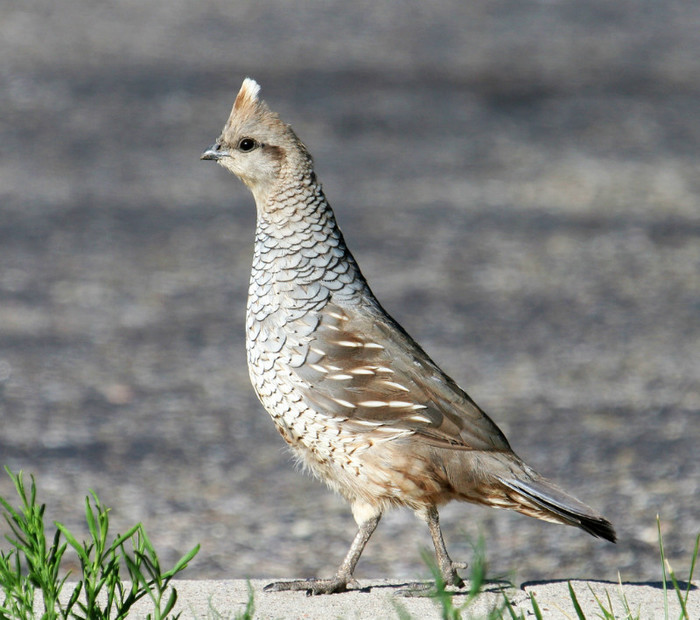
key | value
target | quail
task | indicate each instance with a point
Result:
(359, 402)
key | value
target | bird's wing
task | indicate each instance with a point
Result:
(372, 373)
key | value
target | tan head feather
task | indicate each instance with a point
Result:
(251, 115)
(247, 98)
(256, 145)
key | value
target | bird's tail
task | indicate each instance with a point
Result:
(537, 497)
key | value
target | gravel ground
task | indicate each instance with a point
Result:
(382, 598)
(518, 180)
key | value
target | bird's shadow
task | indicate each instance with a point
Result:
(659, 585)
(418, 589)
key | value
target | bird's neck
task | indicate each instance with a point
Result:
(294, 204)
(298, 240)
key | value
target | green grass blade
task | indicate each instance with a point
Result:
(249, 611)
(149, 550)
(91, 521)
(102, 516)
(574, 601)
(623, 598)
(692, 568)
(172, 599)
(663, 566)
(122, 538)
(535, 607)
(509, 607)
(606, 611)
(182, 563)
(611, 614)
(677, 588)
(82, 551)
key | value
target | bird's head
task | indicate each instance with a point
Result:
(256, 145)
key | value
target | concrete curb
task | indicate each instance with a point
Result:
(378, 598)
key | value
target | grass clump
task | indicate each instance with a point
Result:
(505, 610)
(667, 573)
(104, 591)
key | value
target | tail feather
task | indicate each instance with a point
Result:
(562, 507)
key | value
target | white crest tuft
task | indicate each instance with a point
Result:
(247, 98)
(250, 88)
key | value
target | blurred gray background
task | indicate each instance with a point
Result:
(519, 180)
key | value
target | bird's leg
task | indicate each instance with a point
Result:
(448, 568)
(343, 575)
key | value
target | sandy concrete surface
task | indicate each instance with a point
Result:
(518, 180)
(377, 598)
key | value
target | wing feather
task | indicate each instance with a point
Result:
(373, 371)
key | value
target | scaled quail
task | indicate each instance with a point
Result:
(357, 399)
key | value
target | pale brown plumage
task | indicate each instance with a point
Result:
(360, 403)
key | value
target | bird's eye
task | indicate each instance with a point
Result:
(247, 144)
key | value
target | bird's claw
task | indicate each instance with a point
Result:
(312, 587)
(450, 575)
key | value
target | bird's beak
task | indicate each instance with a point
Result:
(214, 152)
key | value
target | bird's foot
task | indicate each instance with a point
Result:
(312, 587)
(449, 573)
(451, 580)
